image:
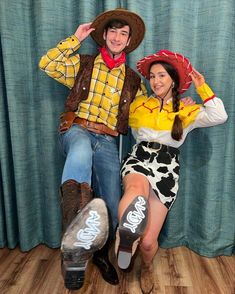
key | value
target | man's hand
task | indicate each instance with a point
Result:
(188, 101)
(198, 79)
(83, 31)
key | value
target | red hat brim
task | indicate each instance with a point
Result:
(178, 61)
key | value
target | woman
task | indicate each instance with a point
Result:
(160, 124)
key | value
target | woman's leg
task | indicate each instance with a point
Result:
(156, 218)
(133, 217)
(134, 185)
(149, 244)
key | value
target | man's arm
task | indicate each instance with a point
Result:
(83, 31)
(142, 91)
(58, 62)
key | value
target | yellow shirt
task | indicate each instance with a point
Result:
(150, 123)
(106, 85)
(146, 113)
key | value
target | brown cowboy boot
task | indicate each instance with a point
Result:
(74, 196)
(147, 278)
(87, 233)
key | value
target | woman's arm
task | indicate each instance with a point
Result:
(212, 112)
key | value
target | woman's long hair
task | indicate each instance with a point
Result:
(177, 128)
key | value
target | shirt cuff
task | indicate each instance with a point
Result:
(205, 92)
(71, 42)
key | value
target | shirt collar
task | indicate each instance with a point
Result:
(167, 102)
(99, 59)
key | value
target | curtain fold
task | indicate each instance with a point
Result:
(30, 103)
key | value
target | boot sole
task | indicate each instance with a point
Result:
(73, 276)
(87, 233)
(131, 228)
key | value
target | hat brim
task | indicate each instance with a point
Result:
(178, 61)
(134, 21)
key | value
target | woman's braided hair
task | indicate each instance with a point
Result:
(177, 128)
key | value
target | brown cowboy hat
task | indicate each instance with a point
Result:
(134, 21)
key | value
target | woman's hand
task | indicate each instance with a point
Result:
(197, 78)
(188, 101)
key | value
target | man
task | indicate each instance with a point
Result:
(96, 112)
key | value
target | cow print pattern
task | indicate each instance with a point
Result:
(161, 169)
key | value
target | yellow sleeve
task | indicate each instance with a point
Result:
(189, 113)
(58, 63)
(205, 92)
(142, 91)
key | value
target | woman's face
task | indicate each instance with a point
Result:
(160, 81)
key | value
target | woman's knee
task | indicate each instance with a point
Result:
(149, 245)
(136, 184)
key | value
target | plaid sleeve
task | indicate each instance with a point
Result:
(142, 91)
(59, 64)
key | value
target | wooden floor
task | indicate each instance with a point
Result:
(177, 270)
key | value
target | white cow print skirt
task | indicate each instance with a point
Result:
(160, 167)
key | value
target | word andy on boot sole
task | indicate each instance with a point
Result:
(135, 217)
(86, 236)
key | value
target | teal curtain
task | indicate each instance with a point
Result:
(30, 103)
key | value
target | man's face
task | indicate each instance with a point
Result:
(117, 39)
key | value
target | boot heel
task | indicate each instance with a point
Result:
(127, 247)
(74, 277)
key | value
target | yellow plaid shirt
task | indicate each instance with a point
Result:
(106, 85)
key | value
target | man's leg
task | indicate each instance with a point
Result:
(106, 179)
(86, 231)
(77, 147)
(75, 190)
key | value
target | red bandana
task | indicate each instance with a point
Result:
(109, 61)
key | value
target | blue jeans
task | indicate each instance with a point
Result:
(93, 158)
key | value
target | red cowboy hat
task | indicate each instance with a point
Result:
(178, 61)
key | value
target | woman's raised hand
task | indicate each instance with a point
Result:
(197, 78)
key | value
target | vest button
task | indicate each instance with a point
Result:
(84, 88)
(124, 101)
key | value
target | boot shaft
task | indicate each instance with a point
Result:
(74, 196)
